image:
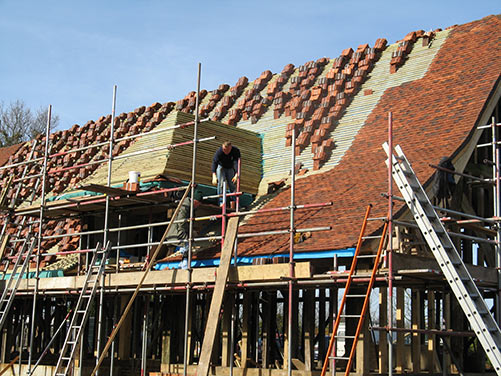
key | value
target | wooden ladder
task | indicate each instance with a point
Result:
(347, 295)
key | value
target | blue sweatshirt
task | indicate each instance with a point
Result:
(226, 160)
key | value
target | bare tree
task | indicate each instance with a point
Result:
(18, 123)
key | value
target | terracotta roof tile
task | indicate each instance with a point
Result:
(8, 151)
(433, 116)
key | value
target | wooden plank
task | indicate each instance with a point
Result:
(110, 191)
(298, 364)
(309, 328)
(268, 335)
(400, 314)
(11, 364)
(363, 355)
(383, 338)
(124, 336)
(407, 262)
(416, 337)
(217, 297)
(321, 325)
(166, 344)
(269, 272)
(171, 277)
(5, 241)
(226, 330)
(177, 162)
(244, 340)
(5, 190)
(433, 362)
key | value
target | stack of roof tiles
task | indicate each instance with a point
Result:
(67, 169)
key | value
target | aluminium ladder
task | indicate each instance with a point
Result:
(451, 264)
(13, 281)
(347, 295)
(4, 236)
(81, 310)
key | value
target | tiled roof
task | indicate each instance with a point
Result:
(433, 116)
(6, 152)
(436, 84)
(60, 173)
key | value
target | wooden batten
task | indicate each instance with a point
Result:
(177, 163)
(179, 160)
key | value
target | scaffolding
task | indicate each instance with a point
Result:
(493, 221)
(59, 211)
(288, 285)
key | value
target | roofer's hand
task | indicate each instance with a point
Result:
(214, 179)
(234, 179)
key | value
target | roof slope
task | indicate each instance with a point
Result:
(436, 84)
(6, 152)
(433, 116)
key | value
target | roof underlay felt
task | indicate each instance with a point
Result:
(433, 116)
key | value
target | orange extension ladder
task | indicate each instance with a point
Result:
(346, 295)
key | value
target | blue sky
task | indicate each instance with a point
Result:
(71, 53)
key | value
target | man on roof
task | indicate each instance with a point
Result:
(179, 231)
(225, 168)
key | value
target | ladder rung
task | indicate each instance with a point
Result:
(339, 357)
(350, 316)
(81, 311)
(413, 184)
(346, 337)
(366, 256)
(66, 358)
(371, 237)
(431, 217)
(438, 229)
(355, 296)
(446, 247)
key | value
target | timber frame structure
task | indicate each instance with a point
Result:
(276, 317)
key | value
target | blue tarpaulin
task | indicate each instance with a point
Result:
(348, 252)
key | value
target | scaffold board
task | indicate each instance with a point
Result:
(217, 297)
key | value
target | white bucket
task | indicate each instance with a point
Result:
(134, 176)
